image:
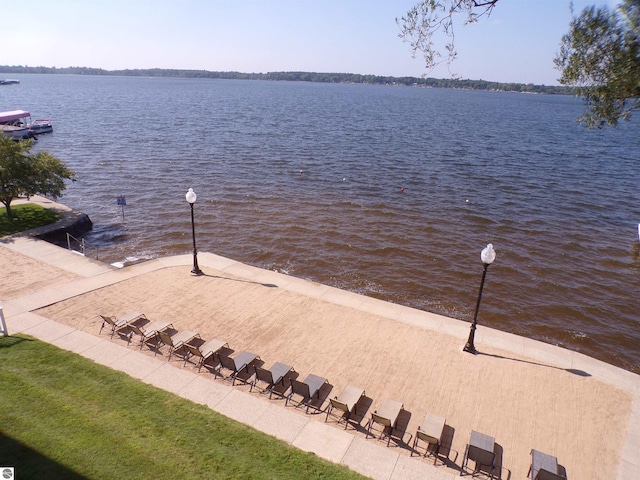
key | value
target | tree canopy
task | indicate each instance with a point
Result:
(600, 56)
(24, 173)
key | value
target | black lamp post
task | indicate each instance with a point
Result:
(191, 198)
(488, 255)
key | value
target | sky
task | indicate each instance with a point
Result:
(517, 43)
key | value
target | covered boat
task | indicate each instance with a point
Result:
(14, 124)
(18, 124)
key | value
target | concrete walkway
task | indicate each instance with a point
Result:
(524, 393)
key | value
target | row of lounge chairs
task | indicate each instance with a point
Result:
(282, 380)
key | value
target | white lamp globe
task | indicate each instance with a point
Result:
(488, 254)
(191, 196)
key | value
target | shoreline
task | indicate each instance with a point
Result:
(77, 223)
(525, 393)
(71, 221)
(308, 77)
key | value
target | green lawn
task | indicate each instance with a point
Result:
(26, 216)
(65, 417)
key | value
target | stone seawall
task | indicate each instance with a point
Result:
(76, 225)
(71, 221)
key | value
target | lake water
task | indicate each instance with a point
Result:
(391, 192)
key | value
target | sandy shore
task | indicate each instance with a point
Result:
(549, 401)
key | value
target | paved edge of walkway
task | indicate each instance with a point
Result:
(324, 440)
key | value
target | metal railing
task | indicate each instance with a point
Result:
(80, 244)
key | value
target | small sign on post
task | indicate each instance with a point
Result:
(122, 202)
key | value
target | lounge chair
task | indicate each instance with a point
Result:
(205, 351)
(480, 449)
(430, 431)
(272, 378)
(176, 341)
(544, 467)
(239, 365)
(148, 332)
(120, 323)
(346, 403)
(386, 416)
(307, 389)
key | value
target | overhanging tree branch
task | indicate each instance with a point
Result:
(422, 25)
(600, 55)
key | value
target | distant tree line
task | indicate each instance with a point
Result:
(300, 77)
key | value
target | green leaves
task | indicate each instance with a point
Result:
(23, 173)
(601, 56)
